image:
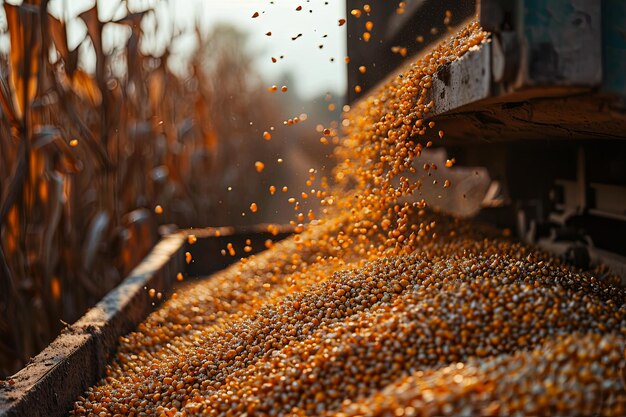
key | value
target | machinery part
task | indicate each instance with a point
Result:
(542, 107)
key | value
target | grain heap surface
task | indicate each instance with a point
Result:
(380, 307)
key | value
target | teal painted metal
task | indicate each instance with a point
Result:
(614, 46)
(563, 38)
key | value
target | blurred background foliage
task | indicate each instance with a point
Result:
(87, 154)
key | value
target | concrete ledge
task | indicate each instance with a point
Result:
(77, 358)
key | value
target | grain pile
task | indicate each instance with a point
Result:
(380, 307)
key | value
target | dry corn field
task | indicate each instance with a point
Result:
(92, 162)
(380, 306)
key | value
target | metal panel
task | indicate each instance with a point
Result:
(614, 46)
(463, 81)
(563, 43)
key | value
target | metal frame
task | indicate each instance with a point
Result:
(541, 105)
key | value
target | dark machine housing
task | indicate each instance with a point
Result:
(541, 106)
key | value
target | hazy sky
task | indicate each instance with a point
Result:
(313, 71)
